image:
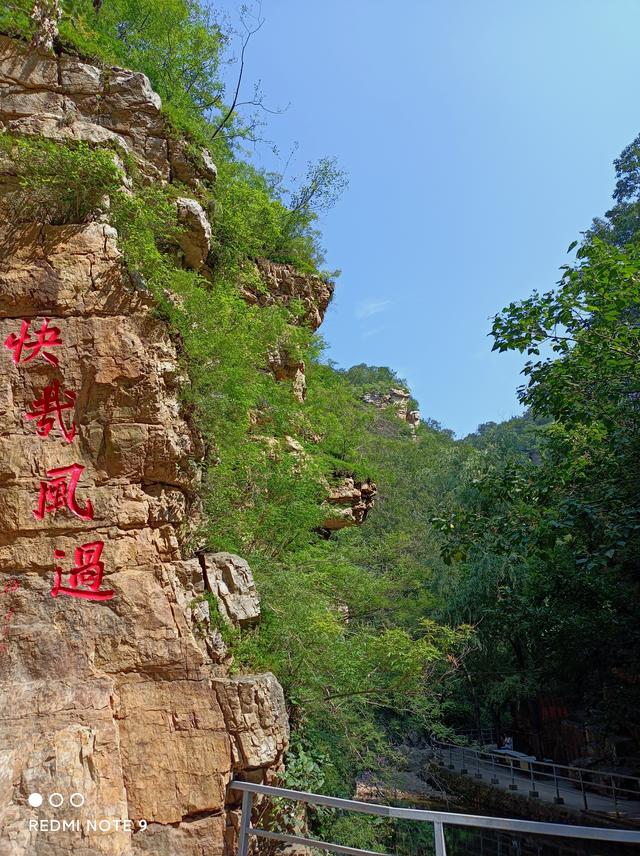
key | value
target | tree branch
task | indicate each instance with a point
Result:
(234, 103)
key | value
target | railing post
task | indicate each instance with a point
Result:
(478, 773)
(451, 764)
(558, 800)
(463, 769)
(584, 793)
(533, 793)
(512, 784)
(505, 828)
(245, 824)
(494, 779)
(614, 794)
(438, 835)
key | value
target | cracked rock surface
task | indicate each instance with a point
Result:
(126, 701)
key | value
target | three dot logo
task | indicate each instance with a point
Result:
(55, 800)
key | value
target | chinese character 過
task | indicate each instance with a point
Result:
(46, 337)
(49, 403)
(86, 575)
(11, 587)
(59, 491)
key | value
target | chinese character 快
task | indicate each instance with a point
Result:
(46, 337)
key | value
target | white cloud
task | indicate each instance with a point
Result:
(367, 308)
(366, 333)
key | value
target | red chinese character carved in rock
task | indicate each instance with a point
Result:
(11, 587)
(48, 409)
(85, 578)
(46, 337)
(59, 491)
(7, 621)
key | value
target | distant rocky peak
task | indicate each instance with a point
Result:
(397, 398)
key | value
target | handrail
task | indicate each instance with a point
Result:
(439, 819)
(591, 771)
(607, 783)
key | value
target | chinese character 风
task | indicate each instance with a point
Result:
(59, 491)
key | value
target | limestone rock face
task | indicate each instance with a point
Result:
(284, 285)
(195, 237)
(230, 579)
(399, 400)
(349, 502)
(186, 170)
(255, 713)
(256, 716)
(125, 701)
(413, 418)
(286, 367)
(64, 98)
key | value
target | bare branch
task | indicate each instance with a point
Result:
(249, 32)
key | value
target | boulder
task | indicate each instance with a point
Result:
(195, 234)
(230, 579)
(286, 367)
(413, 418)
(284, 285)
(348, 503)
(190, 170)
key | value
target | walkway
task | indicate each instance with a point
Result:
(537, 785)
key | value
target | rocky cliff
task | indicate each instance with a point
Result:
(127, 700)
(118, 706)
(349, 502)
(398, 399)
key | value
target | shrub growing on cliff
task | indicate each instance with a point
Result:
(349, 652)
(58, 183)
(255, 499)
(180, 46)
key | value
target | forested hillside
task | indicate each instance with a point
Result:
(492, 572)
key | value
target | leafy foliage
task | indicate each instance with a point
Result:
(491, 570)
(345, 681)
(544, 534)
(57, 183)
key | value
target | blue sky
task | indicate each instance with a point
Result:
(478, 136)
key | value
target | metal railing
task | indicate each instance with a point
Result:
(613, 786)
(477, 735)
(438, 819)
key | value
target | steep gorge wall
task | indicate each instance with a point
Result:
(127, 701)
